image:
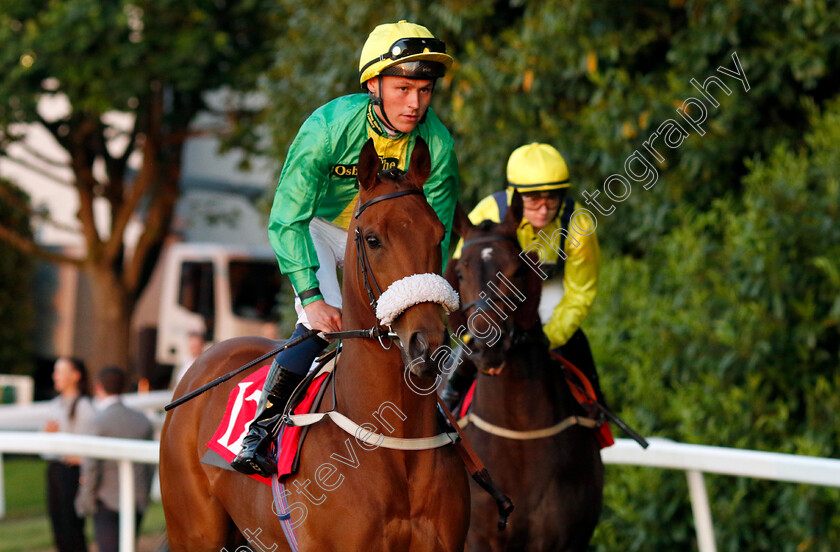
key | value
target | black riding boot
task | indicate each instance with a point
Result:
(254, 457)
(459, 382)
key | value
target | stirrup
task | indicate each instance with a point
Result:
(265, 466)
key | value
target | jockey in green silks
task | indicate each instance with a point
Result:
(539, 173)
(317, 192)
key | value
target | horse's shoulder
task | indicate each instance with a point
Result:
(250, 342)
(237, 350)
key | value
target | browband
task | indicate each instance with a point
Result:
(384, 197)
(484, 239)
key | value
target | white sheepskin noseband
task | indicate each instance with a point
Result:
(412, 290)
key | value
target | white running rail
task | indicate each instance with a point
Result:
(33, 416)
(695, 460)
(124, 451)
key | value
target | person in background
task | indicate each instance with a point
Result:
(71, 412)
(195, 346)
(98, 493)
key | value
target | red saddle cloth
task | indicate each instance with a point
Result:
(240, 411)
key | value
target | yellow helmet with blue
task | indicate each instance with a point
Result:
(537, 167)
(403, 49)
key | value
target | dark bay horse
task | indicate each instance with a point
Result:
(553, 474)
(349, 496)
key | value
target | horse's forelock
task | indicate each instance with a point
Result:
(486, 226)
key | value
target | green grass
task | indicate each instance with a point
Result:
(25, 534)
(26, 526)
(25, 478)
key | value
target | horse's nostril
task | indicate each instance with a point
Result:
(418, 346)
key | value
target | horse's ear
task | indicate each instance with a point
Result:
(516, 207)
(368, 166)
(420, 166)
(456, 318)
(461, 223)
(513, 217)
(527, 314)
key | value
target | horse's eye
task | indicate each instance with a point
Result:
(373, 242)
(459, 274)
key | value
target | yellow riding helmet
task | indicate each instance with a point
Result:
(537, 167)
(403, 49)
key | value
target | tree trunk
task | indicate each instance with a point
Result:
(111, 311)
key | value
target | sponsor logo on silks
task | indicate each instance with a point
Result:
(389, 163)
(351, 171)
(344, 171)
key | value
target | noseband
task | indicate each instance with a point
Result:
(411, 290)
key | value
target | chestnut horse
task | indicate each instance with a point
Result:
(354, 496)
(521, 400)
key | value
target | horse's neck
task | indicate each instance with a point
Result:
(370, 388)
(518, 402)
(370, 385)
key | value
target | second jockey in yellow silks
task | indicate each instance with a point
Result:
(539, 173)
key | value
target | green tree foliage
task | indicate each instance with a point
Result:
(153, 60)
(727, 333)
(597, 78)
(16, 270)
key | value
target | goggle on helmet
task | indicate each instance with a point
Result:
(403, 50)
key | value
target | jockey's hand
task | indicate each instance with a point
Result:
(323, 317)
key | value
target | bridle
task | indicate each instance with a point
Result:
(362, 261)
(489, 298)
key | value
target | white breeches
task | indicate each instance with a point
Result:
(330, 241)
(552, 293)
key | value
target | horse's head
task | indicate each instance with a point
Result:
(499, 291)
(394, 247)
